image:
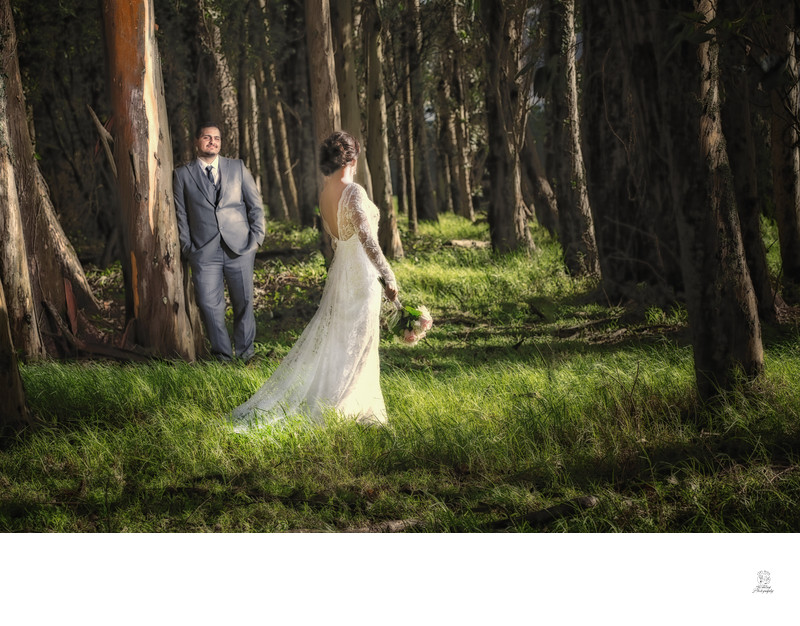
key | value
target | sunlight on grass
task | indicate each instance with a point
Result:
(527, 392)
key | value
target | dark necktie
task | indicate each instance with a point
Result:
(209, 173)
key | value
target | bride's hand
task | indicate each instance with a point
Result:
(391, 292)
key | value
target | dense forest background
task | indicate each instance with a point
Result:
(654, 140)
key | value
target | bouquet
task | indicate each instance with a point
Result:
(408, 322)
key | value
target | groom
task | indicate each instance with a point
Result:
(220, 225)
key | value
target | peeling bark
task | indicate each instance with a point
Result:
(14, 273)
(50, 256)
(143, 155)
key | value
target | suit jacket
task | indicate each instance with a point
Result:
(238, 216)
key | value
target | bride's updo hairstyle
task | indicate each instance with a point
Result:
(337, 151)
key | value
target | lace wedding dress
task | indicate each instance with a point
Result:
(334, 364)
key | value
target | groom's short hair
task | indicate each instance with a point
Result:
(199, 130)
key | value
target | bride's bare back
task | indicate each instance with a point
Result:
(329, 204)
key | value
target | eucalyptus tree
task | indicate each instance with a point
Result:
(56, 274)
(720, 298)
(163, 314)
(653, 78)
(377, 134)
(217, 88)
(684, 66)
(451, 109)
(61, 58)
(576, 222)
(785, 140)
(398, 82)
(427, 208)
(627, 177)
(14, 414)
(273, 107)
(19, 307)
(324, 90)
(289, 46)
(246, 21)
(346, 49)
(740, 76)
(536, 185)
(506, 109)
(182, 51)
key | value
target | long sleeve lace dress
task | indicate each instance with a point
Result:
(334, 364)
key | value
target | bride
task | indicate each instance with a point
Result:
(334, 364)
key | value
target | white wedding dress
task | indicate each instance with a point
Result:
(334, 365)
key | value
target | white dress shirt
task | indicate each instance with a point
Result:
(214, 168)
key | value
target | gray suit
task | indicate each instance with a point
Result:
(220, 230)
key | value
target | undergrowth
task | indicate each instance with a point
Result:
(530, 392)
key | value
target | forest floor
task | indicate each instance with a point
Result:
(534, 404)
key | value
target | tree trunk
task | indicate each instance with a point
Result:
(555, 104)
(14, 413)
(286, 170)
(143, 156)
(221, 105)
(452, 190)
(463, 203)
(249, 126)
(344, 41)
(425, 195)
(786, 148)
(180, 56)
(278, 119)
(394, 87)
(377, 135)
(445, 179)
(302, 126)
(737, 121)
(51, 258)
(249, 113)
(408, 143)
(508, 222)
(628, 179)
(276, 198)
(400, 158)
(544, 200)
(576, 224)
(324, 92)
(14, 273)
(720, 300)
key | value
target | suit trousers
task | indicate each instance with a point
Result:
(211, 269)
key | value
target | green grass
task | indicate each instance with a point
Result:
(528, 392)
